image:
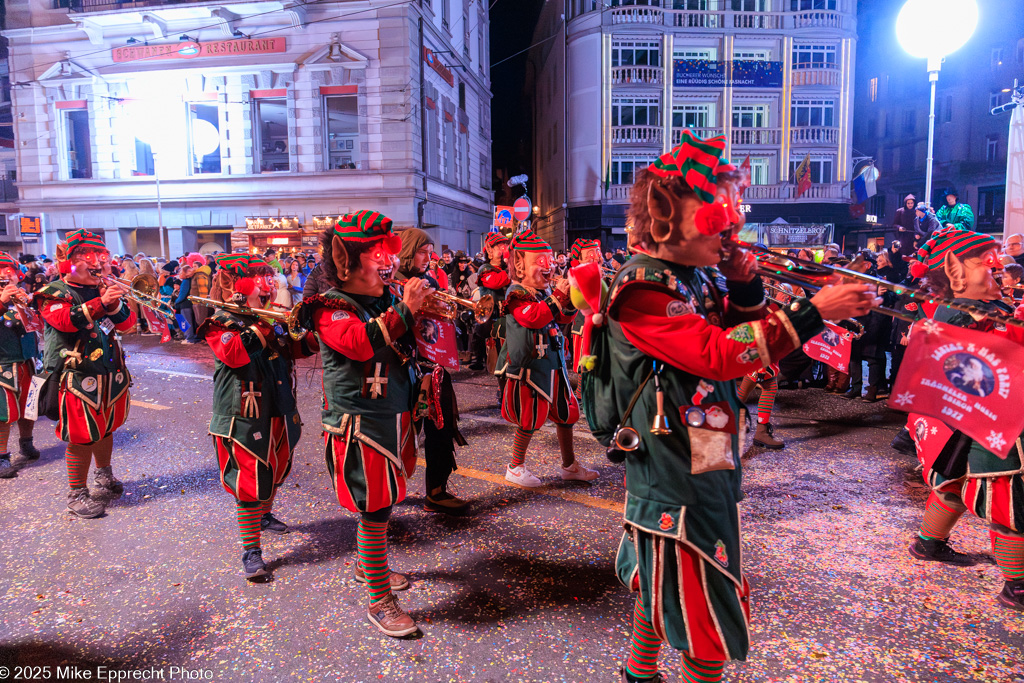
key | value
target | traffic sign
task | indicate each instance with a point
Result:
(503, 216)
(521, 209)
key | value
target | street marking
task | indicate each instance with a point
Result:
(589, 501)
(581, 427)
(154, 406)
(179, 374)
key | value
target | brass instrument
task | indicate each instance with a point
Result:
(18, 301)
(445, 305)
(143, 289)
(289, 317)
(817, 275)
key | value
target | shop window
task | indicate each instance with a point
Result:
(204, 138)
(77, 143)
(807, 113)
(341, 128)
(752, 55)
(270, 142)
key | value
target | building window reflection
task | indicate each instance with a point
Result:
(270, 142)
(77, 146)
(204, 138)
(341, 128)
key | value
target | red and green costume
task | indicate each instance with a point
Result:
(575, 254)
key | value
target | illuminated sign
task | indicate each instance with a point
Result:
(434, 63)
(325, 222)
(193, 50)
(744, 208)
(30, 225)
(871, 218)
(272, 224)
(278, 241)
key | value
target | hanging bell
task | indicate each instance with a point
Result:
(660, 426)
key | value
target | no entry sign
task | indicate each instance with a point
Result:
(521, 209)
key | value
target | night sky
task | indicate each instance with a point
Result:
(512, 26)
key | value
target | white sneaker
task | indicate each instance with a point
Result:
(578, 472)
(522, 476)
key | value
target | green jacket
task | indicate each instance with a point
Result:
(533, 356)
(960, 215)
(16, 347)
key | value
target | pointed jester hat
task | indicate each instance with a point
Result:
(367, 226)
(932, 254)
(698, 162)
(579, 246)
(528, 240)
(11, 262)
(495, 239)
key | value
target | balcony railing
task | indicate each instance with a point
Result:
(643, 75)
(720, 18)
(756, 136)
(618, 193)
(637, 135)
(834, 192)
(108, 5)
(817, 77)
(702, 133)
(814, 136)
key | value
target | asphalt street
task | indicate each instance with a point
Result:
(521, 590)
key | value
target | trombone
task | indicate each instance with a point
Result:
(141, 289)
(290, 318)
(804, 273)
(444, 305)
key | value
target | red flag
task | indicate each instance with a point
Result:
(970, 380)
(857, 211)
(803, 176)
(930, 435)
(745, 172)
(157, 324)
(832, 347)
(435, 340)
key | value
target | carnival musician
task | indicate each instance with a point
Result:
(668, 321)
(18, 351)
(440, 410)
(959, 265)
(255, 423)
(582, 251)
(492, 280)
(365, 333)
(532, 360)
(82, 313)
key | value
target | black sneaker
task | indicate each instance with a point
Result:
(626, 677)
(103, 478)
(1012, 595)
(476, 367)
(939, 551)
(269, 522)
(252, 563)
(851, 394)
(7, 470)
(28, 449)
(903, 443)
(81, 504)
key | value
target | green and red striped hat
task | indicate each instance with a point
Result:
(581, 244)
(11, 262)
(495, 239)
(367, 226)
(239, 264)
(83, 238)
(932, 253)
(696, 161)
(528, 240)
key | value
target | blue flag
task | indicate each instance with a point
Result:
(182, 323)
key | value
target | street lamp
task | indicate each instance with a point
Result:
(932, 29)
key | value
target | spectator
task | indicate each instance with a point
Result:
(438, 272)
(1012, 275)
(906, 225)
(1013, 246)
(316, 283)
(283, 296)
(899, 264)
(296, 280)
(183, 306)
(202, 282)
(886, 269)
(303, 266)
(927, 223)
(270, 256)
(954, 214)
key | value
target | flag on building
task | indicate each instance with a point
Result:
(803, 176)
(864, 185)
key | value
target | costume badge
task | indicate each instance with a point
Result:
(749, 356)
(743, 334)
(714, 319)
(225, 338)
(666, 522)
(720, 555)
(257, 435)
(9, 374)
(677, 308)
(96, 354)
(339, 315)
(89, 384)
(55, 307)
(106, 326)
(119, 377)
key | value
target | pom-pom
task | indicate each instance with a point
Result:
(588, 363)
(598, 319)
(64, 267)
(245, 286)
(712, 219)
(918, 269)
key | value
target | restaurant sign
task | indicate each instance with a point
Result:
(272, 224)
(193, 50)
(434, 63)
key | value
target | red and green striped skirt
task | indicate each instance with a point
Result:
(12, 408)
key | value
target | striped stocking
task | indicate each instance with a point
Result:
(519, 446)
(701, 670)
(1009, 553)
(372, 556)
(249, 523)
(939, 518)
(78, 456)
(643, 646)
(764, 405)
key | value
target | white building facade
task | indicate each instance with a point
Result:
(774, 76)
(250, 124)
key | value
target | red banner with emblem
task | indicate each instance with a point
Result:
(435, 340)
(30, 320)
(157, 324)
(970, 380)
(832, 347)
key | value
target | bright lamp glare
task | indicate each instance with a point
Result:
(936, 28)
(205, 138)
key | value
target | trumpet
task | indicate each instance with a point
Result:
(445, 305)
(290, 318)
(817, 275)
(142, 289)
(18, 301)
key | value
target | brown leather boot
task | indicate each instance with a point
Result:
(390, 618)
(765, 438)
(80, 503)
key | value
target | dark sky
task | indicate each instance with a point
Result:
(512, 26)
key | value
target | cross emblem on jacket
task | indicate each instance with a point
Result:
(541, 346)
(250, 401)
(378, 383)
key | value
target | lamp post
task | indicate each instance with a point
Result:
(932, 29)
